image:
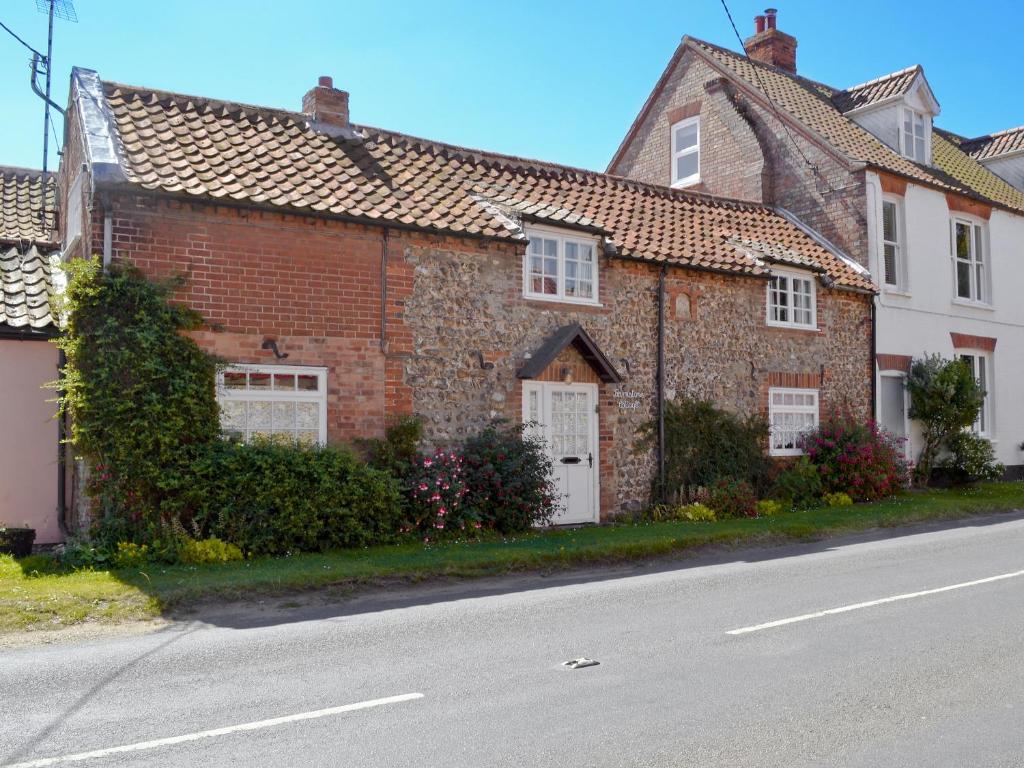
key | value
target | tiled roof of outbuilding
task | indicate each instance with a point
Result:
(26, 282)
(237, 153)
(21, 205)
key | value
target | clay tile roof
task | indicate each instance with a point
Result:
(874, 91)
(204, 148)
(995, 144)
(812, 104)
(25, 287)
(21, 202)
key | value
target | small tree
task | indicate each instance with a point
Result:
(946, 399)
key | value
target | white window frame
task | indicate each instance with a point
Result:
(981, 361)
(979, 286)
(791, 275)
(693, 178)
(269, 395)
(908, 151)
(550, 233)
(902, 378)
(899, 244)
(774, 409)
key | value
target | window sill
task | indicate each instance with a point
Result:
(562, 300)
(793, 327)
(974, 304)
(785, 453)
(897, 292)
(687, 182)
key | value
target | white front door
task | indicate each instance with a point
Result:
(567, 419)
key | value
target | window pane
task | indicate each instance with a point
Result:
(919, 153)
(259, 380)
(260, 414)
(551, 248)
(686, 136)
(963, 241)
(889, 221)
(284, 382)
(963, 279)
(232, 415)
(308, 383)
(977, 244)
(979, 275)
(307, 415)
(234, 380)
(686, 165)
(890, 264)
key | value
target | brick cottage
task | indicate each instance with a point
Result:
(351, 274)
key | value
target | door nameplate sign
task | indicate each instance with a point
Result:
(629, 399)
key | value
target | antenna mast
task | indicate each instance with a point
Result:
(62, 9)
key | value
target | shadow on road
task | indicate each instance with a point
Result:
(337, 602)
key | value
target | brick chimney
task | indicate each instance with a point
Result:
(327, 107)
(770, 46)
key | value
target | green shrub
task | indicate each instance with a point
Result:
(271, 498)
(946, 399)
(731, 498)
(704, 444)
(769, 508)
(857, 459)
(400, 446)
(208, 551)
(837, 499)
(799, 484)
(508, 473)
(971, 459)
(696, 512)
(130, 555)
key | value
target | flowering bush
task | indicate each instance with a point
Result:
(860, 460)
(733, 498)
(508, 479)
(971, 459)
(435, 495)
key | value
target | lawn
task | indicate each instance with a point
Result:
(35, 594)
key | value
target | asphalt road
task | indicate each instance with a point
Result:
(933, 679)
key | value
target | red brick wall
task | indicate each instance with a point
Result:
(312, 285)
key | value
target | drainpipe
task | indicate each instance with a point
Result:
(661, 384)
(384, 290)
(108, 237)
(62, 457)
(874, 358)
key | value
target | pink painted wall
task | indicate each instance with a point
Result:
(28, 438)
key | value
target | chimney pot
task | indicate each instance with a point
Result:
(769, 45)
(325, 81)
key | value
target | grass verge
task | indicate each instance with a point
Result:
(34, 594)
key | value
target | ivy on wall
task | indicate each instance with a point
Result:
(140, 393)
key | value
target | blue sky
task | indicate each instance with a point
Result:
(555, 81)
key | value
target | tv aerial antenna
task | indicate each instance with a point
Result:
(43, 65)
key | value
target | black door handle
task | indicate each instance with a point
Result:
(570, 459)
(590, 459)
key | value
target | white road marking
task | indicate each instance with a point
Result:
(871, 603)
(143, 745)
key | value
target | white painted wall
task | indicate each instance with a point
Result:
(883, 122)
(920, 320)
(1008, 167)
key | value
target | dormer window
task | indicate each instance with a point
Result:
(914, 136)
(686, 152)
